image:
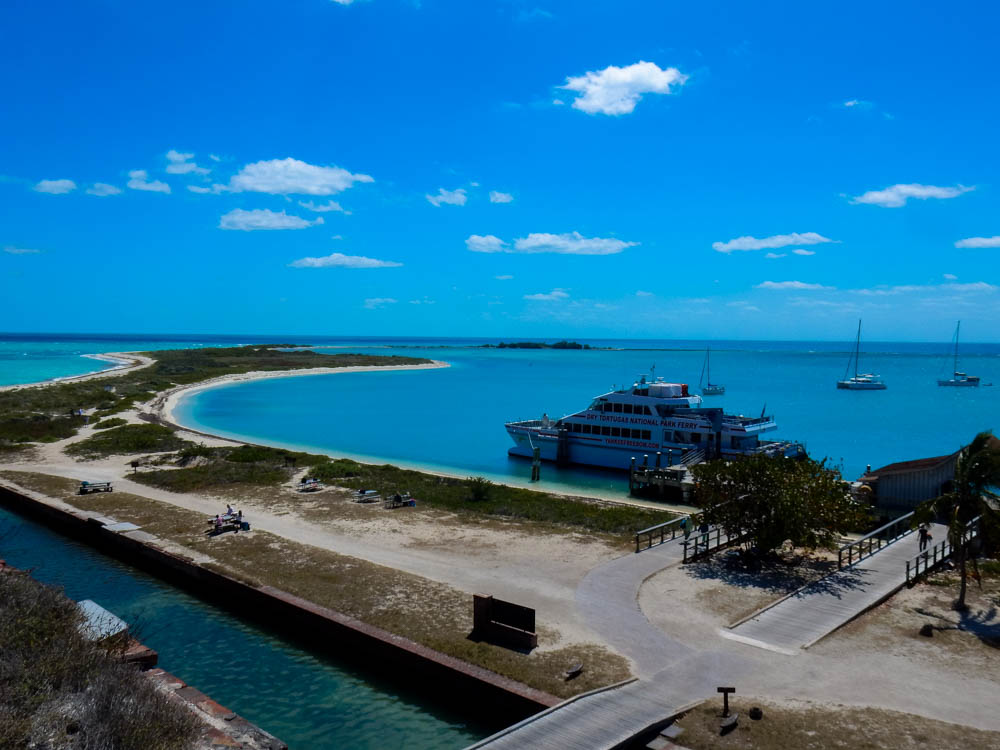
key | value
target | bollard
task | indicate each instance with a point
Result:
(645, 460)
(658, 455)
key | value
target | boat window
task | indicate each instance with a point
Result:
(575, 426)
(628, 408)
(586, 429)
(605, 430)
(695, 437)
(607, 406)
(645, 410)
(663, 410)
(618, 408)
(646, 435)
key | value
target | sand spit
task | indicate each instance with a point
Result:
(121, 362)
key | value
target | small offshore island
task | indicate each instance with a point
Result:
(394, 572)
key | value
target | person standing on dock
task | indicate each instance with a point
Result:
(925, 536)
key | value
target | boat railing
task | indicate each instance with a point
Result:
(873, 541)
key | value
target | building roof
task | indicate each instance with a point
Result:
(905, 467)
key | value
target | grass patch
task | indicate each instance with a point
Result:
(48, 413)
(106, 424)
(60, 690)
(216, 475)
(814, 727)
(425, 611)
(128, 440)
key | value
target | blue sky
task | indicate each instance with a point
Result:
(501, 168)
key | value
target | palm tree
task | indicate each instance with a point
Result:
(972, 494)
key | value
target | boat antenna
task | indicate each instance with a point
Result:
(762, 411)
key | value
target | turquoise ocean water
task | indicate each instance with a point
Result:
(452, 419)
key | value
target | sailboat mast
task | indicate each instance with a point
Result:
(708, 363)
(954, 367)
(857, 350)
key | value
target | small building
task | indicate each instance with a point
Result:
(900, 487)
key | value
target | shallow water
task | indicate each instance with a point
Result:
(305, 700)
(452, 419)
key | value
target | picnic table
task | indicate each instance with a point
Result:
(87, 487)
(229, 522)
(366, 496)
(398, 501)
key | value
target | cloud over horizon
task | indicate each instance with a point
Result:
(798, 285)
(54, 187)
(339, 260)
(897, 195)
(262, 218)
(768, 243)
(103, 189)
(497, 197)
(293, 177)
(450, 197)
(979, 242)
(139, 180)
(554, 296)
(571, 243)
(616, 91)
(182, 164)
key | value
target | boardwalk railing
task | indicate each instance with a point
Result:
(663, 532)
(929, 559)
(704, 542)
(872, 542)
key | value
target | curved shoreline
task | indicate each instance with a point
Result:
(164, 405)
(121, 362)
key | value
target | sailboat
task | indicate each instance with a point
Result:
(860, 381)
(959, 378)
(709, 388)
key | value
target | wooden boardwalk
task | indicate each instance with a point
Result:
(818, 609)
(598, 720)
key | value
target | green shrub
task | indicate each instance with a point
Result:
(480, 489)
(105, 424)
(214, 474)
(128, 440)
(60, 690)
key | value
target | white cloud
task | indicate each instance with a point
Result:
(778, 240)
(139, 180)
(979, 242)
(103, 189)
(262, 218)
(451, 197)
(554, 296)
(373, 303)
(950, 276)
(293, 177)
(213, 157)
(345, 2)
(20, 250)
(616, 91)
(182, 164)
(743, 305)
(339, 260)
(572, 243)
(478, 243)
(641, 293)
(54, 187)
(858, 104)
(323, 208)
(972, 287)
(799, 285)
(534, 14)
(424, 301)
(773, 256)
(498, 197)
(800, 251)
(215, 189)
(897, 195)
(504, 277)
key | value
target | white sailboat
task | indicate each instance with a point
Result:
(859, 381)
(959, 378)
(709, 389)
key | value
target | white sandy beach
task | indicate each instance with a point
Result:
(121, 362)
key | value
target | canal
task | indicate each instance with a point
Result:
(306, 700)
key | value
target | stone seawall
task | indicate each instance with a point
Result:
(440, 678)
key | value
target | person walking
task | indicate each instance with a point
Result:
(686, 526)
(925, 536)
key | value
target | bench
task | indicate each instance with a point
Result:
(87, 487)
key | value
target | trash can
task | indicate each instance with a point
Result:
(244, 526)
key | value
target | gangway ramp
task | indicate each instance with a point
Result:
(602, 719)
(807, 615)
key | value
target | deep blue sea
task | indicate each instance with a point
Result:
(451, 420)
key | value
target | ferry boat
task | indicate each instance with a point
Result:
(644, 419)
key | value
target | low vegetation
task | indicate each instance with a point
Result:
(51, 413)
(106, 424)
(129, 439)
(59, 690)
(538, 345)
